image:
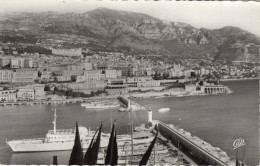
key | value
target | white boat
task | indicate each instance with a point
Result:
(55, 140)
(122, 109)
(164, 110)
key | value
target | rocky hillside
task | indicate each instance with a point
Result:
(139, 33)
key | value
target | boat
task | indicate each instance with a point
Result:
(99, 105)
(122, 109)
(164, 110)
(55, 140)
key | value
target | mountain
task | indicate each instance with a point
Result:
(106, 29)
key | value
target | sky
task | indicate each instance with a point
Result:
(212, 15)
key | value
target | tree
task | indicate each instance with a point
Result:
(166, 75)
(39, 74)
(47, 88)
(201, 83)
(73, 78)
(56, 89)
(75, 94)
(69, 92)
(193, 75)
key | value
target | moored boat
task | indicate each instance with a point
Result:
(55, 140)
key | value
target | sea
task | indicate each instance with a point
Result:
(216, 119)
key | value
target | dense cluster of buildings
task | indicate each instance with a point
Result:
(113, 72)
(25, 93)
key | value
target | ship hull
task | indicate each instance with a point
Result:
(47, 147)
(40, 146)
(44, 147)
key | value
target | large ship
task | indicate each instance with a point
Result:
(62, 140)
(55, 140)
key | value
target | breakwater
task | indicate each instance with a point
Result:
(194, 147)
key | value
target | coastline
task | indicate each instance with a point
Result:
(238, 79)
(175, 92)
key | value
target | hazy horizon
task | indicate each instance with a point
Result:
(210, 15)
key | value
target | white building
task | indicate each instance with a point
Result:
(23, 75)
(67, 52)
(4, 61)
(94, 75)
(109, 73)
(26, 94)
(142, 82)
(86, 66)
(7, 96)
(63, 78)
(80, 79)
(17, 63)
(6, 75)
(72, 72)
(39, 92)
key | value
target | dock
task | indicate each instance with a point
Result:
(190, 148)
(43, 102)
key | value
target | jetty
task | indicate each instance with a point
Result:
(197, 149)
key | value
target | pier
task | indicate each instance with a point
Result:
(193, 150)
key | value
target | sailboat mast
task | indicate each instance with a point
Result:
(154, 154)
(54, 122)
(243, 157)
(111, 123)
(132, 140)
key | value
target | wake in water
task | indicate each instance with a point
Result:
(164, 110)
(3, 147)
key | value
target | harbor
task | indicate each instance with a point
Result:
(185, 108)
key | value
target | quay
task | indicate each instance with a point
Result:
(43, 102)
(196, 152)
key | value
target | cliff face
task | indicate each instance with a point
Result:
(141, 33)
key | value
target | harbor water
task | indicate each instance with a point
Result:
(217, 119)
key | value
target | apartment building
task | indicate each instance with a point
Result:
(6, 75)
(24, 76)
(7, 96)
